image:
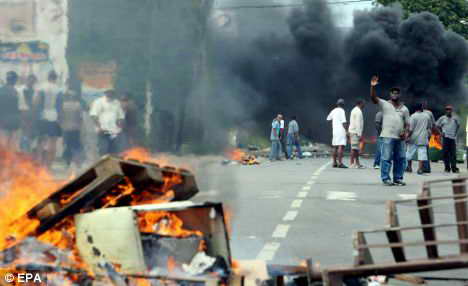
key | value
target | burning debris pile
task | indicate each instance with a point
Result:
(118, 221)
(241, 157)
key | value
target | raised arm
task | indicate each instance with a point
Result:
(374, 82)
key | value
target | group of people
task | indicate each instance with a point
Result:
(282, 140)
(402, 137)
(34, 116)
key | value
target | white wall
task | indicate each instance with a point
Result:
(51, 26)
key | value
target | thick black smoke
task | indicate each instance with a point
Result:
(290, 71)
(303, 69)
(417, 54)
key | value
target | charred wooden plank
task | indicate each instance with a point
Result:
(394, 236)
(400, 268)
(86, 191)
(363, 255)
(426, 216)
(461, 213)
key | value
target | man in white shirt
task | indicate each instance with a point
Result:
(283, 136)
(356, 127)
(108, 115)
(338, 118)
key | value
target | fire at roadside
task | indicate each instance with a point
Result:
(114, 224)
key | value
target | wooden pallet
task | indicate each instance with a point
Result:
(86, 191)
(364, 264)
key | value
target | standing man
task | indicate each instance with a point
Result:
(10, 118)
(420, 128)
(293, 138)
(283, 136)
(71, 118)
(427, 164)
(130, 123)
(275, 138)
(356, 127)
(48, 102)
(338, 118)
(28, 118)
(394, 127)
(108, 115)
(378, 148)
(449, 124)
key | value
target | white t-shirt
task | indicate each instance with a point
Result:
(356, 121)
(394, 119)
(338, 117)
(108, 113)
(50, 92)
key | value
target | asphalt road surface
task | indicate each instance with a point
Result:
(287, 211)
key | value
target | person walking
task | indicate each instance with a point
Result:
(378, 147)
(283, 137)
(48, 102)
(395, 120)
(420, 128)
(275, 139)
(338, 118)
(449, 124)
(108, 116)
(10, 119)
(356, 127)
(293, 138)
(71, 119)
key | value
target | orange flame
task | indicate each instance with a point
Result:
(236, 154)
(435, 142)
(143, 155)
(164, 223)
(24, 184)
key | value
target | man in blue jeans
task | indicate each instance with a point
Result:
(378, 147)
(275, 139)
(394, 132)
(293, 138)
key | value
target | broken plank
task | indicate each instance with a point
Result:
(394, 236)
(461, 213)
(362, 254)
(426, 217)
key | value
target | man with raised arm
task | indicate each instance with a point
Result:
(394, 132)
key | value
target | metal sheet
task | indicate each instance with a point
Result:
(110, 235)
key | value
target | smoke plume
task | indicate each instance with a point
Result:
(418, 54)
(303, 69)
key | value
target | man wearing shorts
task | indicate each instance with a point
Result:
(356, 127)
(419, 132)
(338, 118)
(49, 101)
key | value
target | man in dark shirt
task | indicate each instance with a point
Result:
(130, 122)
(29, 117)
(449, 124)
(11, 118)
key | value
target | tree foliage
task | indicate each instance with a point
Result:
(453, 13)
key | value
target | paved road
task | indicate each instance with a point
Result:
(286, 211)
